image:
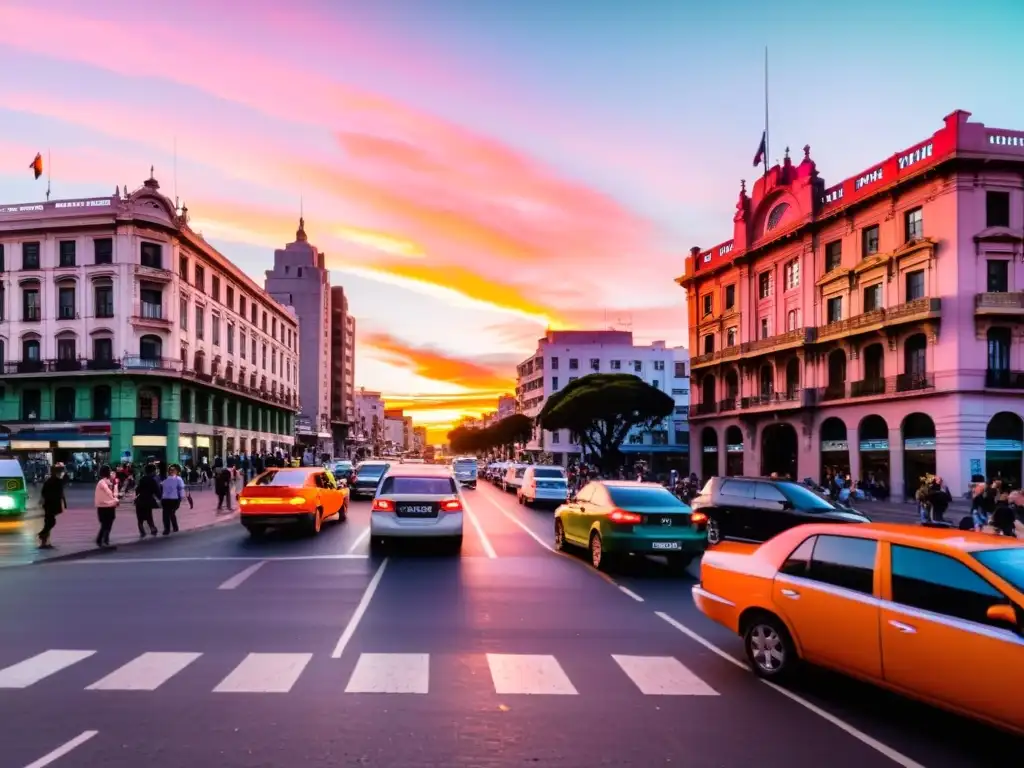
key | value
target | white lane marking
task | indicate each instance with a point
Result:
(529, 674)
(265, 673)
(630, 592)
(479, 531)
(241, 576)
(896, 757)
(31, 671)
(390, 673)
(62, 750)
(663, 676)
(518, 522)
(359, 540)
(145, 673)
(226, 558)
(364, 603)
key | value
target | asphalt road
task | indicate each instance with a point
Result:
(216, 650)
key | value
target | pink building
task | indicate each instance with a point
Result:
(872, 326)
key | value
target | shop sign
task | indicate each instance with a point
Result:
(734, 448)
(919, 444)
(828, 446)
(710, 449)
(919, 154)
(1005, 446)
(868, 178)
(874, 445)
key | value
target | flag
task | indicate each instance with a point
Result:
(37, 165)
(761, 149)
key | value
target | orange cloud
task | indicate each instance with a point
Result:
(437, 366)
(474, 403)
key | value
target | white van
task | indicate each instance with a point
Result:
(513, 478)
(465, 469)
(547, 485)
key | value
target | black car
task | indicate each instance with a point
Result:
(756, 508)
(366, 477)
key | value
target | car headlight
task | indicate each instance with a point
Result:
(6, 502)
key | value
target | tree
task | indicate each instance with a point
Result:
(506, 433)
(600, 409)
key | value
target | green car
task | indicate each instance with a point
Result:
(13, 490)
(615, 518)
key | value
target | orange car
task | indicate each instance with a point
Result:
(935, 614)
(303, 496)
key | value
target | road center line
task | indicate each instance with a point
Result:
(479, 531)
(62, 750)
(630, 592)
(359, 540)
(364, 603)
(241, 576)
(520, 523)
(215, 559)
(897, 757)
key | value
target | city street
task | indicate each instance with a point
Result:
(214, 649)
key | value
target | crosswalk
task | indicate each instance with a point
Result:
(374, 673)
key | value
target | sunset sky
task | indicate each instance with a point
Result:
(478, 170)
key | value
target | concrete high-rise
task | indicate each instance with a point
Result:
(299, 279)
(343, 369)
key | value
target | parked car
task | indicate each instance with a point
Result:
(513, 478)
(544, 485)
(756, 508)
(465, 469)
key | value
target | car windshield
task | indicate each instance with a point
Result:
(469, 463)
(552, 473)
(643, 496)
(371, 470)
(418, 486)
(1007, 564)
(521, 471)
(294, 478)
(805, 500)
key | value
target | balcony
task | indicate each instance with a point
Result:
(711, 358)
(892, 385)
(798, 337)
(150, 315)
(705, 409)
(728, 404)
(797, 398)
(1004, 379)
(67, 365)
(31, 314)
(864, 323)
(925, 308)
(1004, 304)
(156, 274)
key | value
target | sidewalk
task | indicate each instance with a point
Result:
(75, 534)
(906, 512)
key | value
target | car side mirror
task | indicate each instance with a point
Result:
(1002, 613)
(787, 505)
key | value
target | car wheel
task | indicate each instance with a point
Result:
(598, 558)
(559, 536)
(770, 649)
(714, 531)
(316, 522)
(343, 512)
(256, 531)
(520, 499)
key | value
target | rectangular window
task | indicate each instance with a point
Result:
(264, 323)
(66, 349)
(200, 276)
(730, 296)
(255, 312)
(659, 365)
(834, 309)
(730, 337)
(595, 364)
(574, 364)
(680, 370)
(845, 562)
(655, 384)
(200, 326)
(709, 344)
(152, 303)
(555, 437)
(183, 268)
(230, 300)
(792, 320)
(616, 365)
(231, 338)
(30, 306)
(215, 288)
(30, 255)
(66, 253)
(914, 220)
(241, 305)
(930, 581)
(764, 285)
(873, 297)
(915, 284)
(765, 329)
(554, 383)
(183, 313)
(241, 344)
(706, 304)
(152, 255)
(997, 209)
(215, 329)
(638, 366)
(102, 349)
(998, 275)
(103, 250)
(869, 241)
(1, 258)
(554, 360)
(66, 303)
(833, 255)
(103, 295)
(792, 274)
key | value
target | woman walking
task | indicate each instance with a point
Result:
(147, 498)
(172, 491)
(106, 506)
(54, 502)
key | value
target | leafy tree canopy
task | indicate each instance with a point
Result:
(511, 430)
(600, 409)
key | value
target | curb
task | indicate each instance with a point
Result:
(147, 542)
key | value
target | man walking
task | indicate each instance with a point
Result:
(54, 502)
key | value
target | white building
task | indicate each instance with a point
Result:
(564, 356)
(368, 428)
(506, 406)
(124, 334)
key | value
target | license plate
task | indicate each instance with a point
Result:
(665, 545)
(413, 509)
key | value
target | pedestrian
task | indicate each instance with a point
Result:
(54, 502)
(222, 484)
(147, 498)
(106, 506)
(172, 492)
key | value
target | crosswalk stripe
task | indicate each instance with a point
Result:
(145, 673)
(265, 673)
(390, 673)
(663, 676)
(528, 674)
(30, 671)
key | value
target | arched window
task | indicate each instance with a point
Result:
(792, 320)
(151, 347)
(101, 402)
(767, 380)
(709, 344)
(149, 403)
(64, 404)
(915, 359)
(775, 217)
(31, 351)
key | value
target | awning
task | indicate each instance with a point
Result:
(654, 449)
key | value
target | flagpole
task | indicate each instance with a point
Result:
(766, 155)
(49, 165)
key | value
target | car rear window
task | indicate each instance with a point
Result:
(1006, 563)
(287, 477)
(627, 497)
(426, 486)
(555, 473)
(370, 470)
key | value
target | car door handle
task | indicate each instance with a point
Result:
(904, 628)
(792, 594)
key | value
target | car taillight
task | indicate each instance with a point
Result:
(621, 516)
(697, 518)
(383, 505)
(452, 505)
